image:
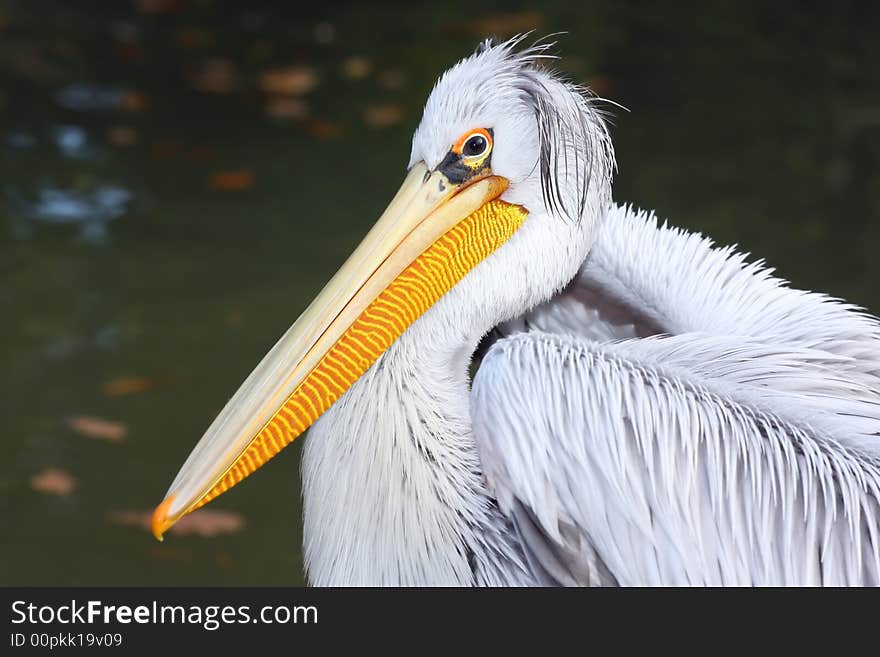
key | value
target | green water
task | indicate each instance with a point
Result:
(758, 126)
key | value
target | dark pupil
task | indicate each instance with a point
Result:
(476, 145)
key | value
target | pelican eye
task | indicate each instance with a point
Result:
(475, 146)
(469, 156)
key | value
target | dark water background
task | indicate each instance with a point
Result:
(165, 213)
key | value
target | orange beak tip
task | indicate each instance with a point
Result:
(161, 523)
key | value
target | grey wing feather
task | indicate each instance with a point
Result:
(571, 561)
(671, 476)
(642, 278)
(738, 445)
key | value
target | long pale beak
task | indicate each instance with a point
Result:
(428, 238)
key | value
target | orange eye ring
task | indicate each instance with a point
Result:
(459, 147)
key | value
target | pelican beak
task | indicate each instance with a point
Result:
(430, 236)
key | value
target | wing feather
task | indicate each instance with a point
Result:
(678, 415)
(672, 476)
(642, 278)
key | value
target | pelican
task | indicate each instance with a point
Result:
(649, 408)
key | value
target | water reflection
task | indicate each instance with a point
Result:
(89, 210)
(179, 179)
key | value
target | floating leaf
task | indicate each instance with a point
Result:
(391, 79)
(382, 116)
(599, 84)
(234, 318)
(232, 181)
(356, 68)
(217, 75)
(121, 135)
(142, 519)
(207, 522)
(286, 107)
(98, 428)
(503, 25)
(127, 385)
(203, 522)
(54, 481)
(132, 101)
(323, 129)
(289, 80)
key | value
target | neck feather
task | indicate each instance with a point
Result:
(392, 486)
(393, 490)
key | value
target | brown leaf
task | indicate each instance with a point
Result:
(121, 135)
(234, 318)
(206, 522)
(217, 75)
(382, 116)
(53, 481)
(599, 85)
(356, 68)
(287, 108)
(142, 519)
(503, 25)
(232, 181)
(323, 129)
(127, 385)
(391, 79)
(203, 522)
(289, 80)
(132, 101)
(98, 428)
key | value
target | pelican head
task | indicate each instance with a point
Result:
(509, 173)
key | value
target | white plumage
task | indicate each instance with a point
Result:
(740, 449)
(654, 410)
